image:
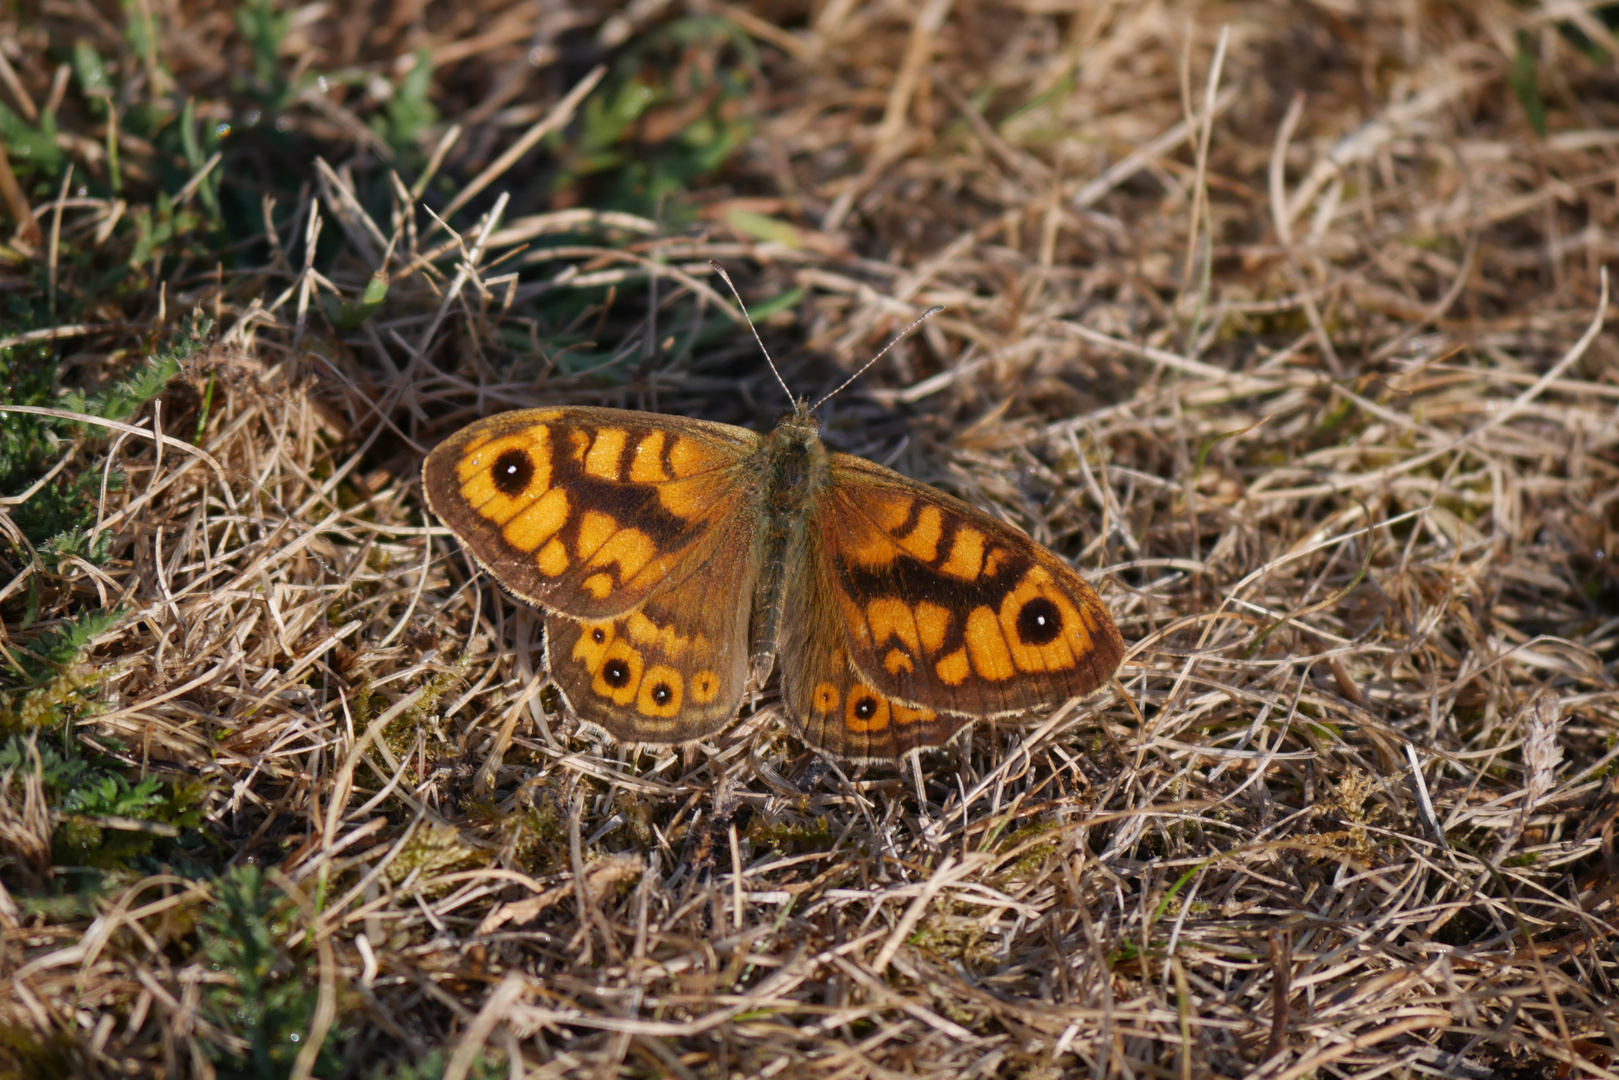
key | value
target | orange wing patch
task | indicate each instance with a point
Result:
(868, 537)
(825, 698)
(923, 540)
(966, 555)
(865, 710)
(543, 518)
(932, 624)
(631, 549)
(601, 460)
(619, 675)
(991, 658)
(893, 618)
(953, 669)
(905, 714)
(594, 529)
(661, 691)
(643, 631)
(689, 499)
(503, 476)
(553, 559)
(646, 464)
(705, 686)
(591, 648)
(687, 457)
(1042, 626)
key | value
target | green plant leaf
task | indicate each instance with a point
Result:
(1525, 81)
(91, 71)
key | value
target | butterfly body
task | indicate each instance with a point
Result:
(678, 560)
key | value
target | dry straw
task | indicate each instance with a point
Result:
(1286, 326)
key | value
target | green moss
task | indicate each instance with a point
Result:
(951, 932)
(64, 698)
(1035, 857)
(434, 849)
(400, 733)
(792, 838)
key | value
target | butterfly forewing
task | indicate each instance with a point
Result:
(588, 512)
(946, 608)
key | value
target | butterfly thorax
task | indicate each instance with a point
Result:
(797, 466)
(795, 469)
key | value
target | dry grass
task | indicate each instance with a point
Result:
(1282, 321)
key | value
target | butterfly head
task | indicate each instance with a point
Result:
(800, 425)
(801, 415)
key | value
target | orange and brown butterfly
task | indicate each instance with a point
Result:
(677, 560)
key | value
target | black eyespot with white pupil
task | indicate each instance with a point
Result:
(616, 672)
(512, 472)
(865, 708)
(661, 694)
(1038, 622)
(598, 635)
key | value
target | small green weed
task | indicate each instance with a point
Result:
(125, 398)
(59, 684)
(99, 812)
(66, 644)
(57, 518)
(269, 1001)
(670, 112)
(486, 1066)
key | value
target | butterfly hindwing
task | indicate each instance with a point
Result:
(829, 704)
(675, 668)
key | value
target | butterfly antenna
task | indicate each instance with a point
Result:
(920, 319)
(720, 270)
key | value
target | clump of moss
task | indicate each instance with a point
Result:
(435, 849)
(792, 837)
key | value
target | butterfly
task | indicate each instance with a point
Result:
(678, 560)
